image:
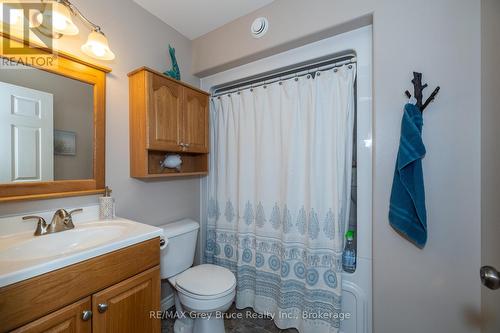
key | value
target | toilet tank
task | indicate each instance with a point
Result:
(179, 253)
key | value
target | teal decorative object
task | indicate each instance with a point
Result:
(175, 72)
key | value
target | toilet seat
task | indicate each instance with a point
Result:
(206, 282)
(202, 297)
(205, 288)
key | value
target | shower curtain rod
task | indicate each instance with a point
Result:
(298, 70)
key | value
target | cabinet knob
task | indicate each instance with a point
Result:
(186, 145)
(182, 144)
(86, 315)
(102, 307)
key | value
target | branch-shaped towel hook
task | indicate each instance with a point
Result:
(418, 89)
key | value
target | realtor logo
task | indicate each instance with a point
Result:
(31, 33)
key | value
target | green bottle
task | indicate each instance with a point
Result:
(349, 254)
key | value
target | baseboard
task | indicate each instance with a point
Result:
(167, 302)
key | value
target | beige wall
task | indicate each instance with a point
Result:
(415, 291)
(73, 111)
(138, 38)
(490, 151)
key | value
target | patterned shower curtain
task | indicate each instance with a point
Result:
(279, 190)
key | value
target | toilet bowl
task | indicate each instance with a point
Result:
(205, 292)
(202, 293)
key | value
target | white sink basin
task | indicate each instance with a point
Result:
(23, 255)
(22, 247)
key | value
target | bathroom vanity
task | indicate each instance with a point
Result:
(102, 276)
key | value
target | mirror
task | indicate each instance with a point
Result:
(46, 127)
(52, 123)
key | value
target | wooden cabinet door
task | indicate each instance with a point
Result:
(164, 114)
(195, 121)
(127, 306)
(66, 320)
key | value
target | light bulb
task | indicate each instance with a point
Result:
(36, 20)
(59, 22)
(97, 46)
(15, 16)
(60, 16)
(98, 50)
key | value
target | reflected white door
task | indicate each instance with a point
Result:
(26, 134)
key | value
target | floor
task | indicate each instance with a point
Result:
(249, 323)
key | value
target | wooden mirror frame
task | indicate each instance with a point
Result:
(77, 69)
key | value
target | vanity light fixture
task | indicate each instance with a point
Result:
(60, 16)
(97, 46)
(60, 13)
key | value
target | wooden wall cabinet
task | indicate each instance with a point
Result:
(166, 117)
(120, 289)
(163, 112)
(195, 121)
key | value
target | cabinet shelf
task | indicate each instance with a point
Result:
(166, 117)
(173, 175)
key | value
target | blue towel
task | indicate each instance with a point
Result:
(407, 212)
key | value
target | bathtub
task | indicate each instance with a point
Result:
(356, 299)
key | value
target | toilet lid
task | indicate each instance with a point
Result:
(206, 280)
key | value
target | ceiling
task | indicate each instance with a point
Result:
(194, 18)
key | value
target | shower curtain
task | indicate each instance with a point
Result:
(279, 191)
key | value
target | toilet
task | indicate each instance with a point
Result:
(205, 291)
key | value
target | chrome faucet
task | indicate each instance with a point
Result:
(61, 221)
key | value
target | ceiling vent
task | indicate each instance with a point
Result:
(259, 27)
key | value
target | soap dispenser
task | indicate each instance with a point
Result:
(107, 205)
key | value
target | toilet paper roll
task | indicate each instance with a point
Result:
(163, 242)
